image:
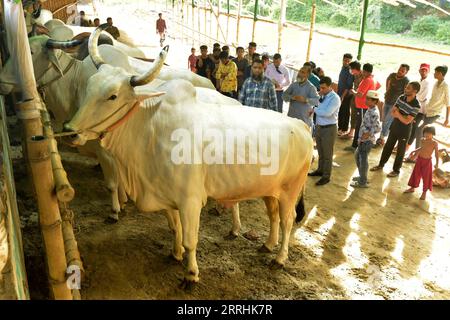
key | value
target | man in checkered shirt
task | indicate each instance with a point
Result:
(258, 91)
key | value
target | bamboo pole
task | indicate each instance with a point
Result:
(49, 216)
(193, 22)
(218, 19)
(363, 28)
(281, 23)
(238, 21)
(64, 190)
(228, 20)
(311, 29)
(204, 3)
(255, 17)
(218, 24)
(199, 25)
(210, 19)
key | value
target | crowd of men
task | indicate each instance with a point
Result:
(83, 21)
(353, 109)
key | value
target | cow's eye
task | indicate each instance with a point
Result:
(113, 97)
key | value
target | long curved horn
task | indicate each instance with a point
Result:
(153, 72)
(93, 45)
(54, 44)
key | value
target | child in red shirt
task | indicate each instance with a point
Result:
(192, 61)
(424, 168)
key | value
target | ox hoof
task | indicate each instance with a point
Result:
(187, 285)
(112, 219)
(171, 259)
(275, 265)
(264, 249)
(230, 236)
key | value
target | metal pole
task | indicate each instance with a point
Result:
(363, 28)
(238, 21)
(311, 29)
(193, 22)
(198, 24)
(281, 22)
(255, 17)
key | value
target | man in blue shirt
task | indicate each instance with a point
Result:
(258, 91)
(326, 132)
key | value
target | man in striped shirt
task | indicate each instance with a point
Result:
(403, 112)
(258, 91)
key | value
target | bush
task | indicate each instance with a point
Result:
(443, 33)
(426, 26)
(393, 21)
(338, 20)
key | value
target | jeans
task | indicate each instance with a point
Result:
(362, 160)
(419, 131)
(417, 120)
(399, 134)
(279, 101)
(359, 119)
(344, 113)
(387, 120)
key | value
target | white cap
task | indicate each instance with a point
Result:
(373, 94)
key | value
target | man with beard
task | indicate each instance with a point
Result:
(403, 113)
(204, 65)
(258, 91)
(302, 97)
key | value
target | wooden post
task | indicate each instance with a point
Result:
(281, 22)
(238, 22)
(199, 25)
(193, 22)
(218, 19)
(204, 7)
(255, 17)
(64, 190)
(311, 29)
(210, 20)
(363, 28)
(228, 19)
(49, 216)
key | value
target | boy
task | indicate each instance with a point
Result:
(424, 168)
(370, 126)
(192, 61)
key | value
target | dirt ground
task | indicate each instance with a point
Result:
(374, 243)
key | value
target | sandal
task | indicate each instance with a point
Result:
(392, 174)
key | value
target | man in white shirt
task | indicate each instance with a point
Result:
(279, 75)
(422, 96)
(440, 99)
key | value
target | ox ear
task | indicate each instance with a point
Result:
(54, 60)
(149, 100)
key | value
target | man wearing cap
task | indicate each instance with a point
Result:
(370, 126)
(422, 96)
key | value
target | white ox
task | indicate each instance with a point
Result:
(62, 32)
(144, 149)
(63, 95)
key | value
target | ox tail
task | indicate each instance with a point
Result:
(300, 207)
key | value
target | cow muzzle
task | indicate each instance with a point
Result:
(75, 139)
